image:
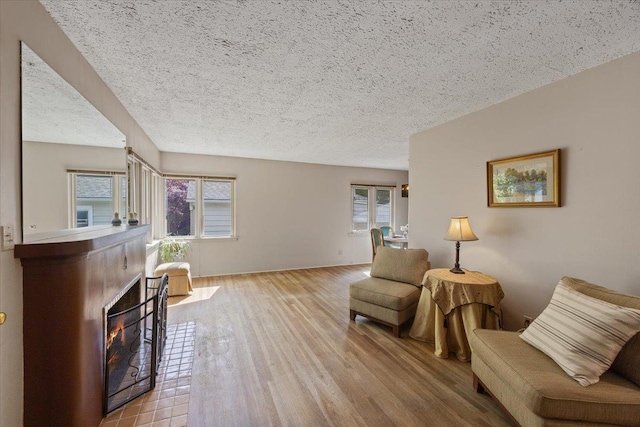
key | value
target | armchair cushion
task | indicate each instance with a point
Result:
(400, 265)
(384, 293)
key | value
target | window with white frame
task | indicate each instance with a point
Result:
(146, 191)
(217, 207)
(371, 206)
(199, 206)
(96, 196)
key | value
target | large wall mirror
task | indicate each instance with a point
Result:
(73, 158)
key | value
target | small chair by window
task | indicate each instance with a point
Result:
(377, 239)
(387, 230)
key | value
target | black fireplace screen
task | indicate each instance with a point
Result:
(135, 335)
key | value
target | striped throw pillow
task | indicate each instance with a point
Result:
(582, 334)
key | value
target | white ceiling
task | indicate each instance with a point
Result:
(332, 82)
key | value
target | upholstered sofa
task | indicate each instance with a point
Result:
(535, 391)
(390, 296)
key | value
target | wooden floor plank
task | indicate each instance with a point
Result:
(279, 349)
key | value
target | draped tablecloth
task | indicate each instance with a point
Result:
(451, 306)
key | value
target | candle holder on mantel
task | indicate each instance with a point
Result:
(116, 219)
(133, 218)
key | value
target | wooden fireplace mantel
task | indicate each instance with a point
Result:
(76, 241)
(68, 278)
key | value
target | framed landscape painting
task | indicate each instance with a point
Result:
(526, 181)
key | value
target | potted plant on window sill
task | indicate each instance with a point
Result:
(171, 250)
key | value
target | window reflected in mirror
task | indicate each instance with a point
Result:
(97, 197)
(63, 132)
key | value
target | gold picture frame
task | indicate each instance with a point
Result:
(525, 181)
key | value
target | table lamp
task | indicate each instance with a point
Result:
(459, 231)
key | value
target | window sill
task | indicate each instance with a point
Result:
(152, 247)
(212, 238)
(205, 239)
(156, 243)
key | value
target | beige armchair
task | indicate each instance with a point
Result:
(390, 296)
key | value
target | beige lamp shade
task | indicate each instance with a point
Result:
(460, 230)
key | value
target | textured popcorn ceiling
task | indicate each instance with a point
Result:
(334, 82)
(53, 111)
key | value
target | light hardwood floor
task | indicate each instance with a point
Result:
(279, 349)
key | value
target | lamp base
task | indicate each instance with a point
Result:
(457, 270)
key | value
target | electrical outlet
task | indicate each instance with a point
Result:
(340, 252)
(527, 321)
(6, 233)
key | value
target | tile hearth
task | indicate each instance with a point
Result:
(168, 404)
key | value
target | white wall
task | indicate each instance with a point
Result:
(594, 117)
(45, 168)
(289, 215)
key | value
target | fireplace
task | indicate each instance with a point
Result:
(69, 277)
(135, 335)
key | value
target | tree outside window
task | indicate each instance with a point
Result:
(180, 205)
(199, 206)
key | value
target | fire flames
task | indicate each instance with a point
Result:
(114, 333)
(113, 359)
